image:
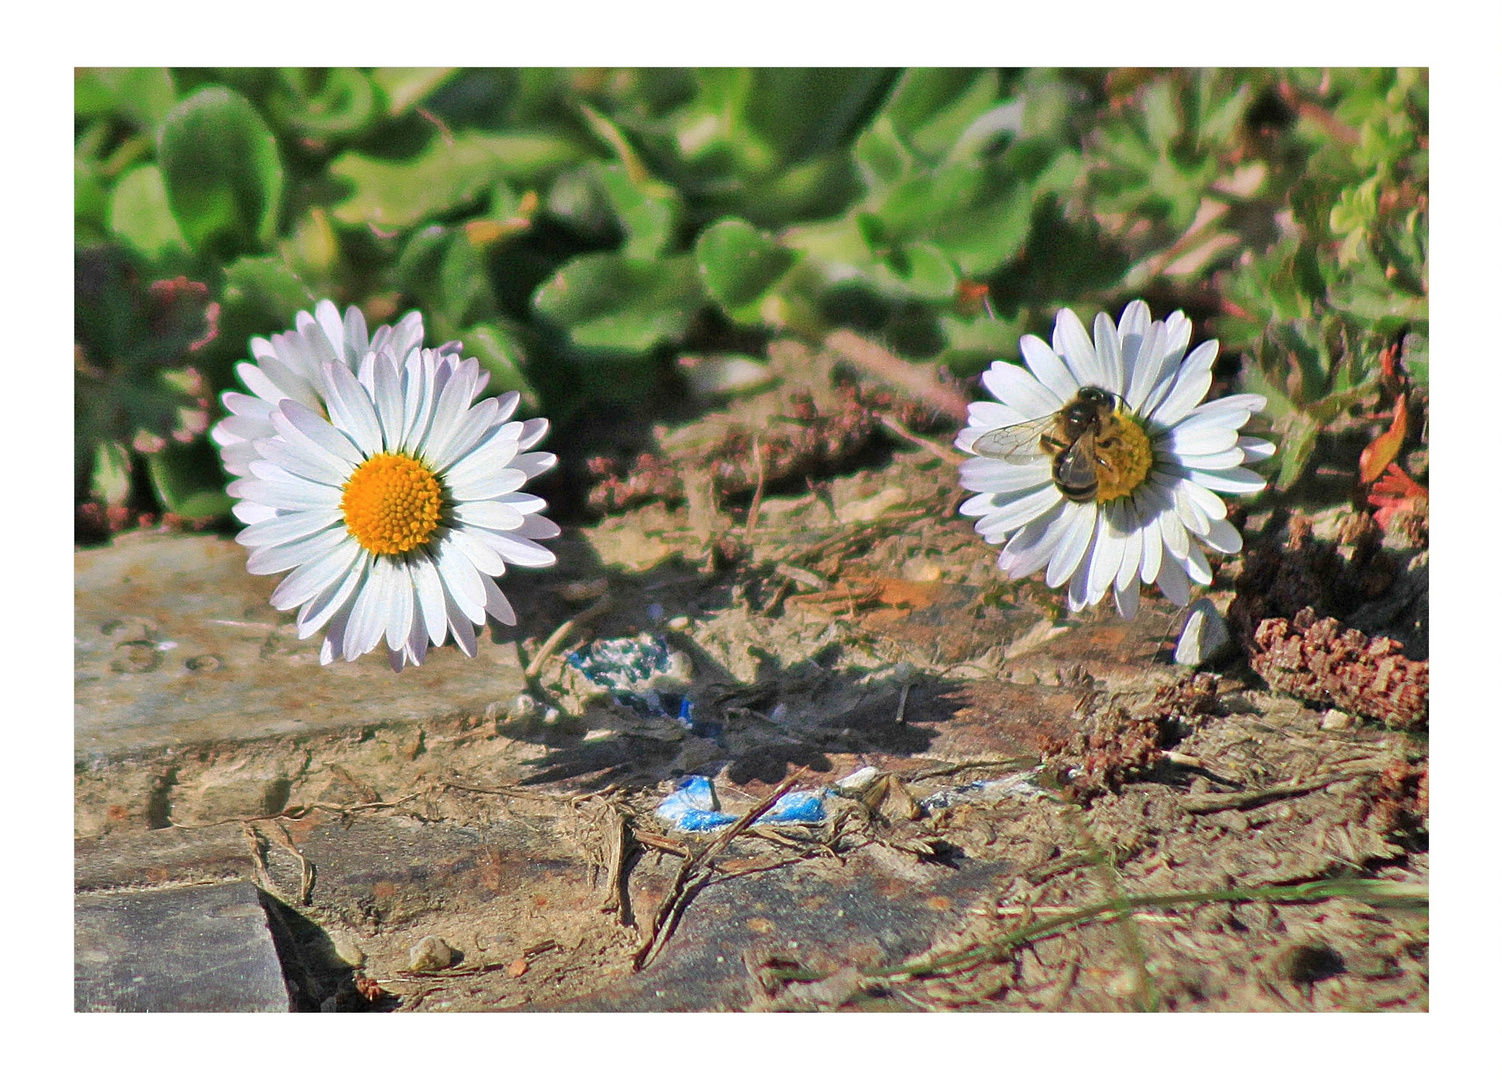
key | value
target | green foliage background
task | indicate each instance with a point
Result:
(580, 229)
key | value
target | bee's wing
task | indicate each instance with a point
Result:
(1017, 443)
(1075, 468)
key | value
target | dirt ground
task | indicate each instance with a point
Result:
(1052, 816)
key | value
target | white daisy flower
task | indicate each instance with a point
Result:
(1141, 505)
(396, 513)
(290, 365)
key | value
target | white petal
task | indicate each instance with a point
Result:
(1048, 369)
(1126, 520)
(430, 602)
(471, 428)
(400, 598)
(1172, 582)
(297, 494)
(1189, 387)
(1231, 481)
(463, 628)
(1252, 449)
(312, 578)
(1073, 345)
(1078, 533)
(1223, 537)
(496, 604)
(1152, 550)
(1016, 386)
(1198, 566)
(532, 432)
(1032, 546)
(461, 581)
(1127, 598)
(506, 404)
(332, 603)
(489, 515)
(537, 528)
(287, 527)
(316, 430)
(480, 552)
(1003, 477)
(367, 619)
(351, 412)
(1108, 356)
(279, 557)
(1189, 512)
(387, 394)
(304, 459)
(1209, 503)
(1019, 511)
(1197, 438)
(1105, 560)
(523, 503)
(1225, 459)
(534, 464)
(1147, 366)
(515, 549)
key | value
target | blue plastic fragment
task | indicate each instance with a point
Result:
(797, 808)
(693, 807)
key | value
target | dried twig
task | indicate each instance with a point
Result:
(306, 870)
(695, 873)
(943, 453)
(556, 638)
(913, 379)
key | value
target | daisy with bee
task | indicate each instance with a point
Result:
(1101, 463)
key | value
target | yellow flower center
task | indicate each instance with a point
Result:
(1124, 457)
(392, 504)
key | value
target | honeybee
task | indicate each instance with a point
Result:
(1074, 436)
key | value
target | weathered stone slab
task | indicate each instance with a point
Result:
(204, 948)
(176, 643)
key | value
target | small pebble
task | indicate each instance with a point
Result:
(1205, 636)
(432, 953)
(518, 968)
(1335, 720)
(346, 949)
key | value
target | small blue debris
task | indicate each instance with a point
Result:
(693, 807)
(797, 808)
(636, 672)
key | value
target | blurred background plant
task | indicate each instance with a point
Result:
(602, 239)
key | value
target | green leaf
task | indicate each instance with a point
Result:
(139, 213)
(647, 209)
(344, 105)
(500, 353)
(1298, 445)
(399, 194)
(264, 290)
(188, 480)
(883, 158)
(463, 287)
(405, 87)
(923, 270)
(110, 481)
(607, 301)
(738, 263)
(142, 95)
(222, 172)
(1160, 110)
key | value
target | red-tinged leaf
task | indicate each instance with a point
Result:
(1383, 450)
(1394, 492)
